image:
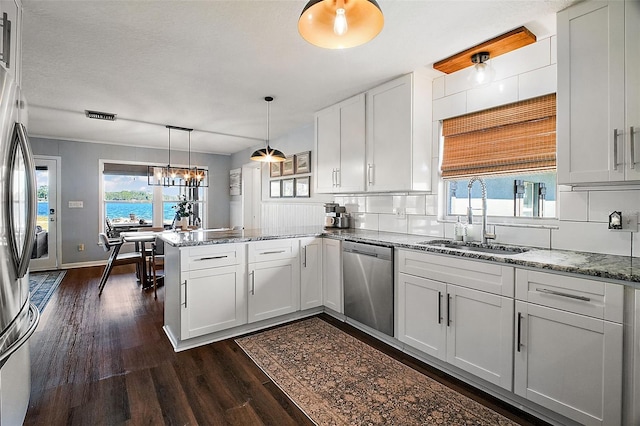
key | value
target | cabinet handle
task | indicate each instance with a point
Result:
(6, 41)
(304, 263)
(632, 139)
(185, 293)
(273, 252)
(615, 149)
(335, 177)
(253, 283)
(519, 343)
(448, 310)
(370, 174)
(212, 258)
(558, 293)
(338, 180)
(439, 308)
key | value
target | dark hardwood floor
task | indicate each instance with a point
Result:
(106, 361)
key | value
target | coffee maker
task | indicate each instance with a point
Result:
(336, 216)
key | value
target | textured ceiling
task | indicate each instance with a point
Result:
(207, 65)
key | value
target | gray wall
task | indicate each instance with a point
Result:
(80, 179)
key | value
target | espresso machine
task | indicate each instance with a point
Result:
(336, 216)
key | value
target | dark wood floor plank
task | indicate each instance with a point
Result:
(107, 361)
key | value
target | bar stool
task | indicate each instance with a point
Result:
(157, 262)
(117, 259)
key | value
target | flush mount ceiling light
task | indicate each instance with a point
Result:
(268, 154)
(340, 24)
(484, 72)
(169, 175)
(495, 47)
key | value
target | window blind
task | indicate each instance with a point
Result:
(514, 138)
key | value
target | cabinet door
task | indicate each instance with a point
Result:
(212, 300)
(389, 135)
(310, 273)
(480, 334)
(421, 321)
(332, 274)
(591, 93)
(350, 175)
(13, 9)
(632, 86)
(327, 144)
(569, 363)
(274, 288)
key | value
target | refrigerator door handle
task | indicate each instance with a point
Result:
(34, 315)
(22, 254)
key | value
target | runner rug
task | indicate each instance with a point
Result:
(42, 285)
(338, 380)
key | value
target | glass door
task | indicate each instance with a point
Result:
(44, 253)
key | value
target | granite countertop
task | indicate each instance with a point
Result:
(604, 266)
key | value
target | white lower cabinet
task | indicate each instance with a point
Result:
(310, 273)
(465, 327)
(204, 289)
(332, 275)
(565, 360)
(213, 300)
(273, 284)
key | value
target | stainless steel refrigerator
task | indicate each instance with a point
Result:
(18, 317)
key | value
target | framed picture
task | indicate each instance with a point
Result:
(302, 187)
(303, 162)
(274, 189)
(235, 182)
(275, 170)
(288, 188)
(287, 166)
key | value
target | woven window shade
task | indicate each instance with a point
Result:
(515, 138)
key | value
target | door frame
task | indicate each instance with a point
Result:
(33, 264)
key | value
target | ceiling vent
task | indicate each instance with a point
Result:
(97, 115)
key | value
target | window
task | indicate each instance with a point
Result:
(513, 148)
(128, 199)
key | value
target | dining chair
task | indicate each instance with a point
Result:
(116, 258)
(157, 262)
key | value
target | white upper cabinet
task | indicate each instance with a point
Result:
(399, 135)
(598, 92)
(11, 37)
(339, 146)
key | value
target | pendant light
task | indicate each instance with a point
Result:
(340, 24)
(268, 154)
(483, 72)
(177, 176)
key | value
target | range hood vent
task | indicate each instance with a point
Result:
(97, 115)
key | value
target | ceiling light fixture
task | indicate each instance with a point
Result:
(484, 72)
(268, 154)
(340, 24)
(169, 175)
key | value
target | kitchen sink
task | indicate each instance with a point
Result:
(476, 247)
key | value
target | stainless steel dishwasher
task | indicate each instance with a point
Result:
(368, 285)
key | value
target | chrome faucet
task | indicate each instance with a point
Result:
(485, 235)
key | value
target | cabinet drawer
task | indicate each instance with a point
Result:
(489, 277)
(573, 294)
(263, 251)
(211, 256)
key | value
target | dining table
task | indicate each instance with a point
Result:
(141, 239)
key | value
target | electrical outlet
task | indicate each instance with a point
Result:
(629, 222)
(80, 247)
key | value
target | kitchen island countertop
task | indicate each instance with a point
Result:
(603, 266)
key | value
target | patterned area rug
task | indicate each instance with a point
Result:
(338, 380)
(42, 285)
